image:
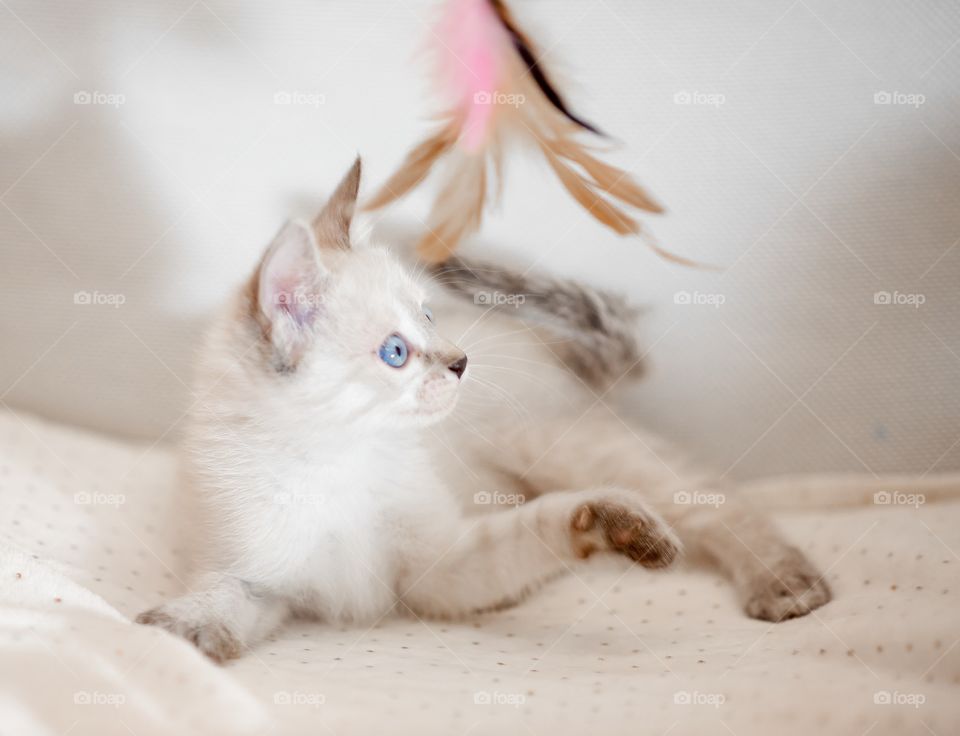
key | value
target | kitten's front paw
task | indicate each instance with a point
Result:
(791, 588)
(625, 527)
(213, 638)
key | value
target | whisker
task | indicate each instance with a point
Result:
(512, 402)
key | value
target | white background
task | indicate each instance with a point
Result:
(814, 197)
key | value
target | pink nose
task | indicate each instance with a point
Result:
(459, 366)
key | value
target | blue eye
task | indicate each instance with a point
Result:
(394, 351)
(427, 312)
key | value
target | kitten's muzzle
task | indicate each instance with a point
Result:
(459, 366)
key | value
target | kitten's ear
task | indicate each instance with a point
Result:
(332, 226)
(289, 292)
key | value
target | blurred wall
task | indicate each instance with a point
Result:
(151, 147)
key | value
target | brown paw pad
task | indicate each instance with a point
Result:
(583, 518)
(213, 638)
(625, 531)
(791, 588)
(156, 617)
(216, 641)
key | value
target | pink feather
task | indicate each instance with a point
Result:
(472, 47)
(497, 93)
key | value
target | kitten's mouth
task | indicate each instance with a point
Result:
(436, 411)
(436, 404)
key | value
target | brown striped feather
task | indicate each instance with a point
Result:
(416, 165)
(581, 190)
(610, 179)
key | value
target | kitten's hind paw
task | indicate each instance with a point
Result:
(626, 527)
(789, 589)
(211, 637)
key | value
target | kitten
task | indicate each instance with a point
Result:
(329, 476)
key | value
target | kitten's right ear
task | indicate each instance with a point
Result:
(288, 293)
(332, 226)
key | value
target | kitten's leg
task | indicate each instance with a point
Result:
(773, 579)
(492, 560)
(222, 617)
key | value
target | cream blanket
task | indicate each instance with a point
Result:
(87, 540)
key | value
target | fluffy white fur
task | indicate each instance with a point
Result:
(326, 483)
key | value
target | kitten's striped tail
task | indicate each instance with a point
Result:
(597, 328)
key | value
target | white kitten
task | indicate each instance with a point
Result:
(319, 488)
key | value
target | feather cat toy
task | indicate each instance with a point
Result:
(501, 93)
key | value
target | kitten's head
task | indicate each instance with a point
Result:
(347, 326)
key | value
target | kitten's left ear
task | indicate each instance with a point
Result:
(332, 226)
(289, 293)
